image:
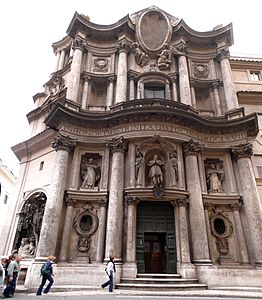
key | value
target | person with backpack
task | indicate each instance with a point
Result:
(110, 270)
(47, 274)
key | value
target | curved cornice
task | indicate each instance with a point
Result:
(127, 26)
(81, 23)
(151, 110)
(225, 32)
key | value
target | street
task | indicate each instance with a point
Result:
(107, 296)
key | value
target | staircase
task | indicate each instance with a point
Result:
(160, 282)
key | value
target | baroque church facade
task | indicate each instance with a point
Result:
(144, 145)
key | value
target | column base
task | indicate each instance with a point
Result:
(206, 262)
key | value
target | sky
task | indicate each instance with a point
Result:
(29, 27)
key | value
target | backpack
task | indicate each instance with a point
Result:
(45, 270)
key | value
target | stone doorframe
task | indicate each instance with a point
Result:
(179, 200)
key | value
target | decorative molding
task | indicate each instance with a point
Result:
(182, 202)
(243, 150)
(118, 144)
(79, 43)
(101, 64)
(200, 70)
(224, 53)
(123, 47)
(130, 200)
(62, 142)
(192, 148)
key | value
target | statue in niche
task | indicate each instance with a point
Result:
(90, 171)
(24, 249)
(215, 177)
(138, 162)
(56, 85)
(155, 171)
(140, 56)
(164, 59)
(174, 166)
(29, 225)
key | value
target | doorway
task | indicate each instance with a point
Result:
(156, 243)
(155, 252)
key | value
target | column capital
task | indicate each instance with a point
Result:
(174, 77)
(111, 79)
(102, 203)
(180, 49)
(215, 84)
(221, 54)
(209, 206)
(130, 200)
(192, 148)
(85, 77)
(79, 43)
(69, 201)
(62, 142)
(123, 47)
(182, 202)
(118, 144)
(243, 150)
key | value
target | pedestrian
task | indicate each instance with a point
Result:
(12, 274)
(47, 274)
(110, 270)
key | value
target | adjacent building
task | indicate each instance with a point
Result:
(145, 144)
(7, 184)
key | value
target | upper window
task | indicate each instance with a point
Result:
(255, 76)
(154, 92)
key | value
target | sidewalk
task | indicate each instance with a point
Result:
(228, 292)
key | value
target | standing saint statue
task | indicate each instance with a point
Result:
(91, 174)
(215, 178)
(155, 171)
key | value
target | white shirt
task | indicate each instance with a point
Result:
(109, 267)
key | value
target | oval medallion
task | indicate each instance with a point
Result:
(154, 30)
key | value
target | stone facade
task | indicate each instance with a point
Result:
(145, 145)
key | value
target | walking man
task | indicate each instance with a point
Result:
(12, 274)
(47, 274)
(110, 270)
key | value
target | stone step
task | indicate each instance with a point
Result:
(152, 275)
(161, 287)
(159, 280)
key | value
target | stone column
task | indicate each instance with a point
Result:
(131, 229)
(174, 87)
(86, 80)
(140, 89)
(110, 91)
(121, 82)
(196, 209)
(101, 231)
(252, 207)
(242, 247)
(118, 147)
(193, 95)
(66, 230)
(215, 86)
(58, 53)
(61, 60)
(74, 77)
(227, 77)
(131, 78)
(184, 84)
(51, 219)
(183, 231)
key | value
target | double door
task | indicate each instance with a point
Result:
(156, 246)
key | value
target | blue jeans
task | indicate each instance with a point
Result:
(41, 286)
(109, 282)
(10, 285)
